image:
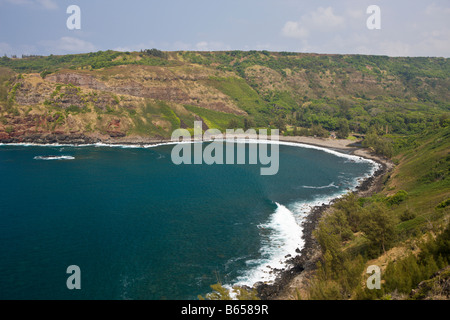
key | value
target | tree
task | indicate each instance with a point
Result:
(379, 144)
(343, 130)
(155, 53)
(248, 124)
(345, 105)
(280, 124)
(233, 124)
(444, 120)
(319, 131)
(349, 204)
(340, 223)
(378, 227)
(45, 73)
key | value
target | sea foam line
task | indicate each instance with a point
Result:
(331, 185)
(54, 158)
(375, 165)
(154, 145)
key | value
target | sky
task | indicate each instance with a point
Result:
(407, 28)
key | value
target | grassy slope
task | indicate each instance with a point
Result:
(423, 172)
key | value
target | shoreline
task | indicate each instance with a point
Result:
(79, 139)
(290, 281)
(302, 264)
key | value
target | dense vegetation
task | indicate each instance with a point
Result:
(301, 94)
(94, 60)
(411, 213)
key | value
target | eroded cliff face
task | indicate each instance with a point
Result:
(163, 84)
(150, 94)
(54, 129)
(91, 105)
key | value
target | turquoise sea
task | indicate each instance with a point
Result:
(140, 227)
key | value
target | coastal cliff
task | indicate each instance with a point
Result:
(97, 96)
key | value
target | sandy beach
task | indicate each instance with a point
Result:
(320, 142)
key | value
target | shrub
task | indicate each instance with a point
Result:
(73, 108)
(398, 197)
(408, 214)
(443, 204)
(45, 73)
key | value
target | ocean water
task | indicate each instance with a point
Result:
(140, 227)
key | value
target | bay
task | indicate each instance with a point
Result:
(140, 227)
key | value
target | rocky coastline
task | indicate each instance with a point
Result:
(303, 265)
(78, 139)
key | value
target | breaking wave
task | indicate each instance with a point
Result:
(281, 237)
(54, 158)
(331, 185)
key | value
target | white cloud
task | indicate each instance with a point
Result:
(293, 29)
(19, 2)
(322, 19)
(5, 48)
(75, 44)
(199, 46)
(325, 18)
(136, 47)
(211, 46)
(424, 31)
(395, 48)
(9, 50)
(356, 14)
(68, 45)
(203, 45)
(179, 45)
(433, 43)
(434, 10)
(47, 4)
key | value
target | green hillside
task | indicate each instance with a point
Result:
(404, 229)
(295, 92)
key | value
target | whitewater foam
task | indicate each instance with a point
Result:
(349, 157)
(286, 229)
(331, 185)
(284, 236)
(54, 158)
